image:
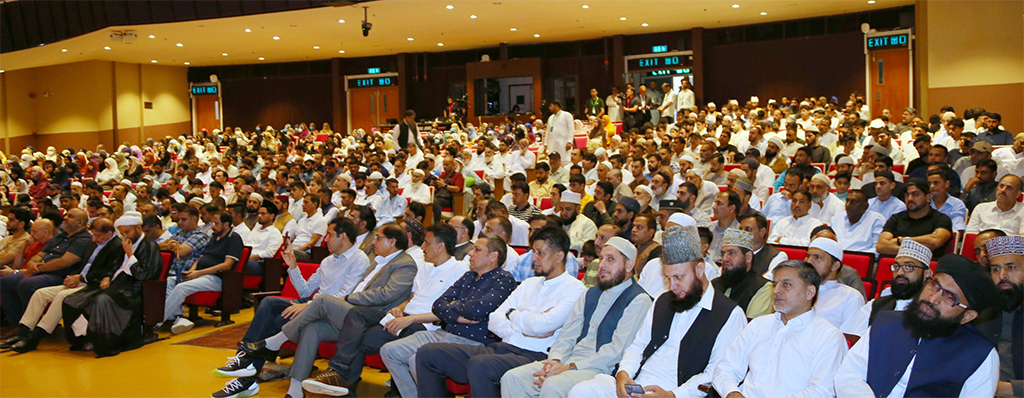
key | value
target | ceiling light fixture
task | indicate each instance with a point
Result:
(450, 7)
(152, 36)
(180, 45)
(410, 39)
(871, 1)
(224, 54)
(513, 29)
(764, 13)
(536, 35)
(440, 44)
(261, 58)
(247, 30)
(341, 21)
(277, 38)
(622, 18)
(153, 61)
(63, 50)
(341, 51)
(186, 63)
(644, 24)
(316, 47)
(585, 6)
(106, 47)
(472, 16)
(735, 6)
(1, 71)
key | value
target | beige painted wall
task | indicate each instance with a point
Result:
(974, 43)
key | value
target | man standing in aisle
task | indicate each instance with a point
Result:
(407, 132)
(560, 130)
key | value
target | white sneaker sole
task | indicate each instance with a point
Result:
(247, 372)
(255, 389)
(321, 388)
(179, 329)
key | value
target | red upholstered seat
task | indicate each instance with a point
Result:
(968, 248)
(520, 249)
(884, 273)
(229, 288)
(794, 252)
(545, 203)
(374, 361)
(457, 388)
(861, 262)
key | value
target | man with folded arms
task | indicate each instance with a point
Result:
(465, 309)
(99, 266)
(366, 329)
(385, 284)
(528, 323)
(909, 272)
(792, 352)
(929, 350)
(337, 275)
(664, 357)
(837, 302)
(591, 342)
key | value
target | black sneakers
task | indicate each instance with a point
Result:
(237, 366)
(257, 350)
(238, 388)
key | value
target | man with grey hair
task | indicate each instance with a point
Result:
(809, 346)
(621, 188)
(665, 357)
(591, 342)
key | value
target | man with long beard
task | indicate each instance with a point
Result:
(580, 229)
(1005, 326)
(909, 272)
(930, 349)
(604, 320)
(751, 291)
(665, 357)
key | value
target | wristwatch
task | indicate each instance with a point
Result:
(572, 366)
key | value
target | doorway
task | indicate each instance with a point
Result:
(890, 80)
(372, 107)
(207, 112)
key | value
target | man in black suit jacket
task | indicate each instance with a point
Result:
(105, 253)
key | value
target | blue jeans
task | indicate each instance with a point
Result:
(177, 292)
(16, 290)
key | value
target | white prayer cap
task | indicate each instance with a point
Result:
(76, 184)
(420, 172)
(204, 160)
(915, 250)
(345, 177)
(197, 199)
(828, 246)
(129, 218)
(846, 160)
(570, 197)
(256, 196)
(754, 98)
(126, 182)
(775, 140)
(711, 105)
(623, 246)
(877, 124)
(375, 176)
(822, 178)
(688, 158)
(599, 152)
(680, 219)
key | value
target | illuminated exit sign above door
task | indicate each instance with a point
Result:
(889, 41)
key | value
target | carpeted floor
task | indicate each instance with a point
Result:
(225, 339)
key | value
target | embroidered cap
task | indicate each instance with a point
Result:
(739, 238)
(681, 245)
(1003, 245)
(917, 251)
(570, 197)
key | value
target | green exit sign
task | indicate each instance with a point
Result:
(204, 90)
(889, 41)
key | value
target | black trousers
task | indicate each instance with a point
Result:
(362, 335)
(481, 367)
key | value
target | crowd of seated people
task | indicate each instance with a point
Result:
(812, 249)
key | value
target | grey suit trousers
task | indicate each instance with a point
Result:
(320, 321)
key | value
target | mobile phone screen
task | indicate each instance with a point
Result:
(634, 389)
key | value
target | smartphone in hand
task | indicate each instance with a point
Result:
(634, 389)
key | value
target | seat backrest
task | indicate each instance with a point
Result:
(246, 250)
(968, 248)
(545, 203)
(884, 272)
(794, 252)
(168, 258)
(860, 261)
(520, 249)
(307, 270)
(951, 245)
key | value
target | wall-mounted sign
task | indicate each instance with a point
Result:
(373, 71)
(373, 82)
(890, 41)
(659, 49)
(204, 90)
(669, 72)
(660, 62)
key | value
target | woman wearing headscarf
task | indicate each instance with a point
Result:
(134, 170)
(110, 175)
(59, 176)
(91, 169)
(39, 191)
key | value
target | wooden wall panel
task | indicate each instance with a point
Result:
(277, 101)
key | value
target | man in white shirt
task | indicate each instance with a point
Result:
(309, 229)
(367, 329)
(885, 203)
(668, 103)
(665, 357)
(393, 205)
(836, 302)
(584, 349)
(264, 239)
(416, 190)
(938, 185)
(560, 130)
(909, 272)
(685, 97)
(930, 349)
(824, 205)
(528, 322)
(580, 228)
(857, 229)
(796, 229)
(1005, 213)
(792, 352)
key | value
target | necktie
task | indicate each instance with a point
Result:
(1017, 343)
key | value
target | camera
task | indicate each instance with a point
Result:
(366, 28)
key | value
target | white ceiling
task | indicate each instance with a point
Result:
(427, 22)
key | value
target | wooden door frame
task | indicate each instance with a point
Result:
(220, 103)
(910, 64)
(348, 96)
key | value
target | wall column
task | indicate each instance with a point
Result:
(618, 63)
(339, 110)
(697, 36)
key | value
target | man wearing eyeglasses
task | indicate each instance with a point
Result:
(930, 349)
(909, 272)
(1005, 325)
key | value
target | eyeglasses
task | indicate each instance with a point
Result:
(907, 267)
(945, 296)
